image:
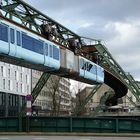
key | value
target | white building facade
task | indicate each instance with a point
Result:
(15, 79)
(15, 84)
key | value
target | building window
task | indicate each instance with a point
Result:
(1, 70)
(21, 77)
(17, 87)
(9, 84)
(4, 85)
(9, 73)
(15, 75)
(21, 88)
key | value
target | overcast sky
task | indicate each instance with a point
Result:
(117, 22)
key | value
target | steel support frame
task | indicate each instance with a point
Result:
(39, 85)
(32, 18)
(109, 63)
(37, 89)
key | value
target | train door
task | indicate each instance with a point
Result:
(12, 43)
(18, 48)
(46, 55)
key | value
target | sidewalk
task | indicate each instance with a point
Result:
(71, 134)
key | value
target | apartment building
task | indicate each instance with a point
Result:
(54, 98)
(15, 84)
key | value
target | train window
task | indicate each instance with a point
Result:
(93, 69)
(55, 53)
(100, 72)
(86, 66)
(51, 50)
(38, 46)
(3, 32)
(46, 49)
(18, 38)
(32, 44)
(81, 63)
(27, 42)
(89, 66)
(12, 35)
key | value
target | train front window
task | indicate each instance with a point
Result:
(55, 53)
(4, 32)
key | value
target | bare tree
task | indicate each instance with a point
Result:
(55, 94)
(76, 103)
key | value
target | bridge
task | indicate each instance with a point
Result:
(21, 14)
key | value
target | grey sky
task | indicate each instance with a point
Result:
(117, 22)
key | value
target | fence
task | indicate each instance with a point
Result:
(69, 124)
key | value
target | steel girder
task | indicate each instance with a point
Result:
(33, 18)
(106, 60)
(39, 85)
(109, 63)
(37, 89)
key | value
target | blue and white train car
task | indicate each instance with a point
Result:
(20, 43)
(91, 71)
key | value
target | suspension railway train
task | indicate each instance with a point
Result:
(20, 43)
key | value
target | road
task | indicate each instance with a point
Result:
(65, 138)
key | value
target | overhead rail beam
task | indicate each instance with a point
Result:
(33, 19)
(106, 60)
(109, 62)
